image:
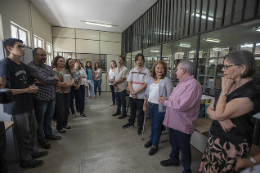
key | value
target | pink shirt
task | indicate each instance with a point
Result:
(183, 106)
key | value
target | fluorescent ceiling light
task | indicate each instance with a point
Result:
(98, 24)
(258, 29)
(154, 51)
(162, 33)
(203, 17)
(184, 45)
(247, 45)
(213, 40)
(257, 44)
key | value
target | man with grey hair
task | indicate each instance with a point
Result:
(182, 111)
(44, 99)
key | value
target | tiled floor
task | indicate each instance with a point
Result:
(99, 144)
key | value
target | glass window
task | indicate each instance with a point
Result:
(151, 55)
(215, 45)
(19, 33)
(38, 42)
(14, 31)
(23, 36)
(174, 52)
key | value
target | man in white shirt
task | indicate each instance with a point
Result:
(137, 82)
(120, 84)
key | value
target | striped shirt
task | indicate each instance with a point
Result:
(183, 106)
(46, 76)
(139, 78)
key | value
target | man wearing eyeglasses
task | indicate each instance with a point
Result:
(44, 99)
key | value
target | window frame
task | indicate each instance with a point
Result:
(18, 28)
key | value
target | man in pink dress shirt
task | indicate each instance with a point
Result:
(182, 111)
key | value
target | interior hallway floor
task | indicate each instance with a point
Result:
(99, 144)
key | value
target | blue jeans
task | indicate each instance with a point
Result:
(136, 104)
(90, 88)
(156, 124)
(180, 141)
(82, 90)
(62, 109)
(77, 94)
(44, 111)
(97, 84)
(120, 100)
(113, 93)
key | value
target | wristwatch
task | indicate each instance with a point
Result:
(223, 94)
(253, 160)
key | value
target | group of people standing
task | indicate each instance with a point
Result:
(230, 137)
(39, 91)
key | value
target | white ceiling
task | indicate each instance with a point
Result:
(68, 13)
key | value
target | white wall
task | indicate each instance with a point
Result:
(86, 41)
(18, 11)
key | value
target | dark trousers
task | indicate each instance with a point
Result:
(120, 100)
(62, 109)
(156, 124)
(77, 94)
(180, 141)
(97, 84)
(113, 93)
(44, 111)
(136, 104)
(83, 92)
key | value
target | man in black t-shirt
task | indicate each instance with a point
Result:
(14, 75)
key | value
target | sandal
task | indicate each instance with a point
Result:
(67, 127)
(83, 114)
(74, 116)
(62, 131)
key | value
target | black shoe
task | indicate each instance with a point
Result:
(169, 162)
(139, 131)
(115, 114)
(36, 155)
(148, 144)
(128, 125)
(153, 151)
(32, 164)
(122, 116)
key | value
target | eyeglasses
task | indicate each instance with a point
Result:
(227, 66)
(42, 55)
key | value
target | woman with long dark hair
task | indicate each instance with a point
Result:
(75, 87)
(89, 72)
(82, 84)
(62, 94)
(97, 79)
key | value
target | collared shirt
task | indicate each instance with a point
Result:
(183, 106)
(45, 75)
(139, 78)
(122, 73)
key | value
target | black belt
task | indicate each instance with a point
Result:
(152, 104)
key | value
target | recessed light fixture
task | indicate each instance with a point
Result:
(154, 51)
(258, 29)
(247, 45)
(98, 24)
(184, 45)
(202, 16)
(213, 40)
(216, 49)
